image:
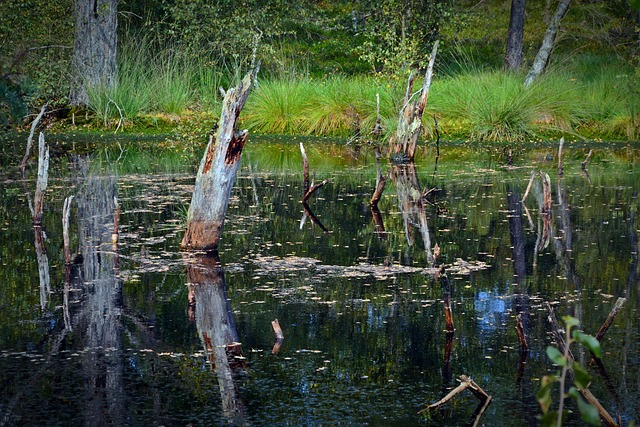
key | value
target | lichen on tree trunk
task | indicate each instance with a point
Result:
(217, 172)
(402, 144)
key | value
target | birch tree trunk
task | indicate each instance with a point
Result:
(515, 34)
(95, 47)
(217, 172)
(542, 58)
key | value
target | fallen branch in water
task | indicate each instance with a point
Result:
(612, 315)
(465, 383)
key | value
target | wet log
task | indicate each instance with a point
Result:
(403, 142)
(66, 215)
(522, 338)
(217, 172)
(34, 124)
(41, 184)
(612, 315)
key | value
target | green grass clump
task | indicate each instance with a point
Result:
(275, 106)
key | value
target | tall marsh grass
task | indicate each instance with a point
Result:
(470, 102)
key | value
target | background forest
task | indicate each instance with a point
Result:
(324, 62)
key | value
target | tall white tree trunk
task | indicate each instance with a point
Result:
(542, 59)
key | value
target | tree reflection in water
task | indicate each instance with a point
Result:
(97, 319)
(209, 305)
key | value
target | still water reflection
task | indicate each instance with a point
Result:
(136, 333)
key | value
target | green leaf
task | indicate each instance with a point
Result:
(588, 341)
(555, 356)
(549, 419)
(570, 321)
(581, 376)
(588, 412)
(544, 394)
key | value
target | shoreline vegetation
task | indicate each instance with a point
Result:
(319, 76)
(479, 105)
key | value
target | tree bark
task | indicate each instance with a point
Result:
(548, 42)
(41, 184)
(217, 172)
(95, 48)
(404, 141)
(515, 35)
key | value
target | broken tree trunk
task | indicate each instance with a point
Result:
(403, 142)
(34, 124)
(542, 58)
(217, 172)
(612, 315)
(41, 184)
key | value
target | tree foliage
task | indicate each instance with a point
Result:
(398, 34)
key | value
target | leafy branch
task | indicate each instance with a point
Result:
(571, 369)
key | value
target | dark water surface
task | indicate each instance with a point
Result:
(139, 333)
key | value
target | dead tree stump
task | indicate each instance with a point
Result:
(217, 172)
(402, 145)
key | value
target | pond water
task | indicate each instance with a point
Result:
(138, 333)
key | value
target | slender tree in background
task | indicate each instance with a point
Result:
(515, 34)
(548, 43)
(95, 47)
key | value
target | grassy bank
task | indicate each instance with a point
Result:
(578, 100)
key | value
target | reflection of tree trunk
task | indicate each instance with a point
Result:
(412, 205)
(98, 324)
(217, 329)
(43, 266)
(516, 232)
(563, 246)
